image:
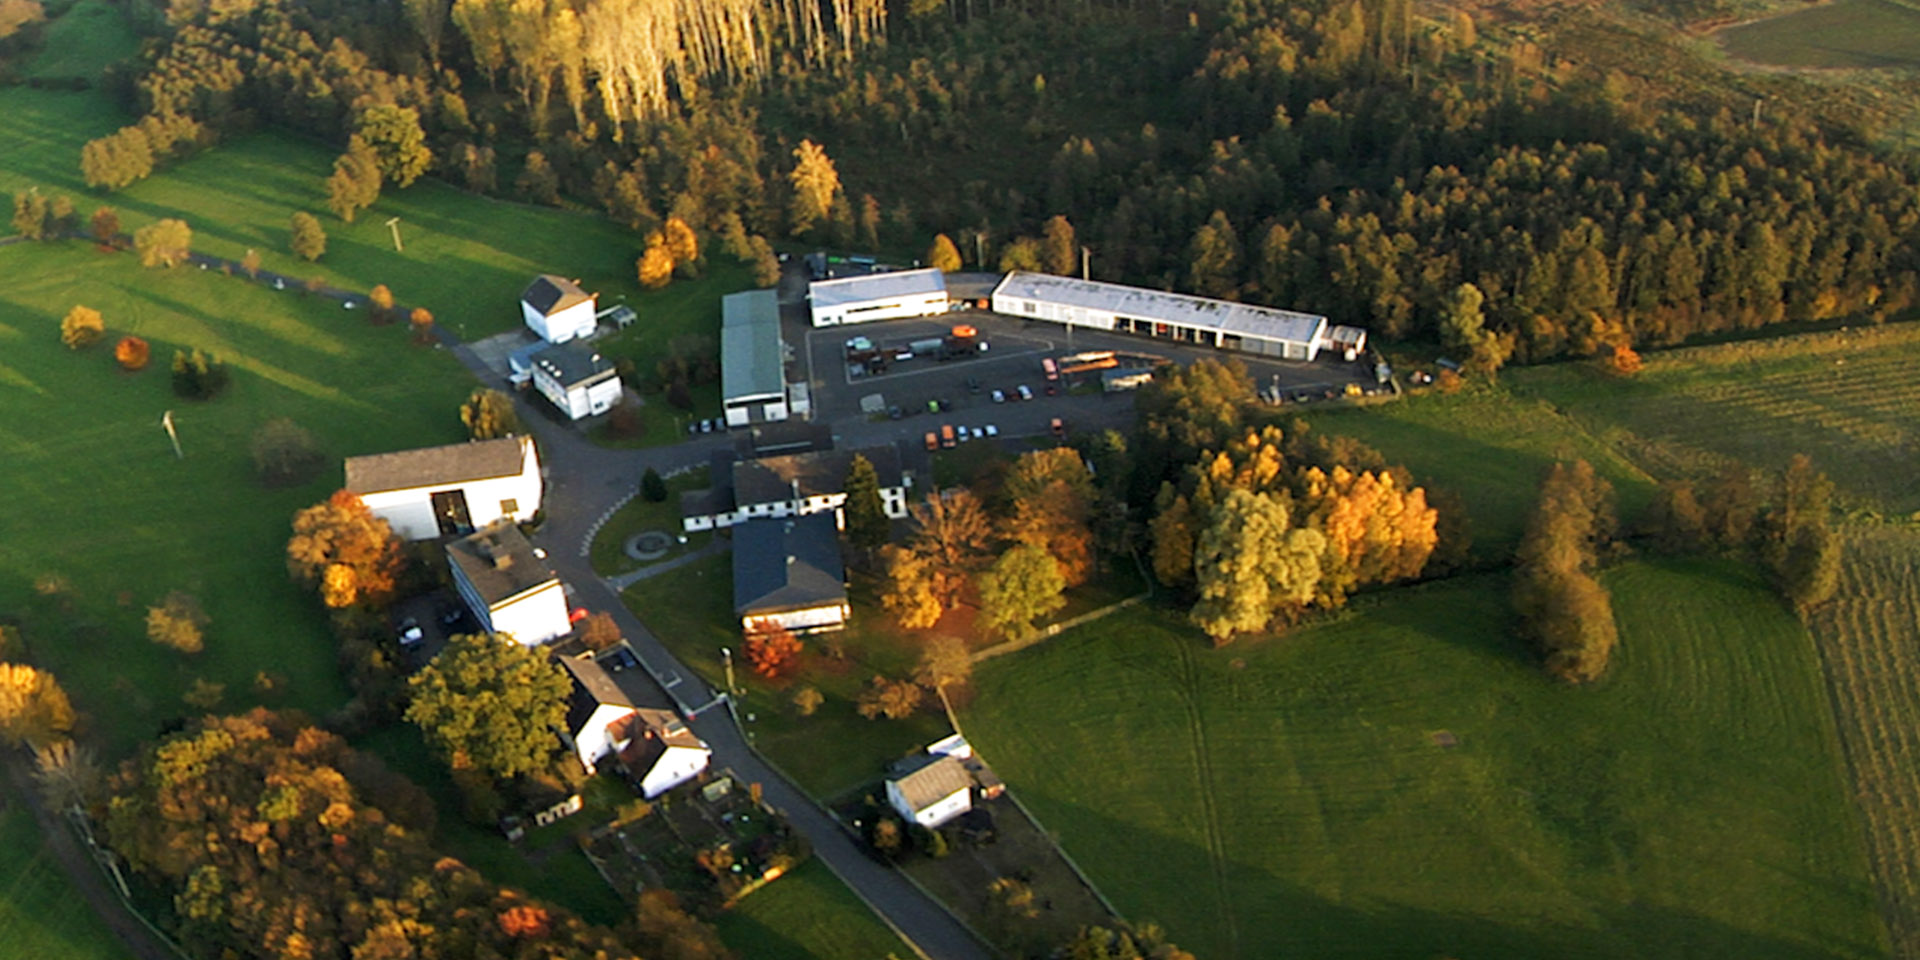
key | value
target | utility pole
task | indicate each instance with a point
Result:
(726, 656)
(979, 252)
(166, 421)
(393, 223)
(1085, 259)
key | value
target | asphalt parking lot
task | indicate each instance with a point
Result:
(1015, 349)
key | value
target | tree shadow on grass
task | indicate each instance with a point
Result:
(1228, 909)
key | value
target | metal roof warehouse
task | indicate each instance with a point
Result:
(878, 296)
(1156, 313)
(752, 359)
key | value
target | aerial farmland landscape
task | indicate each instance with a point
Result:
(867, 481)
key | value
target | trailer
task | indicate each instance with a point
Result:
(1088, 366)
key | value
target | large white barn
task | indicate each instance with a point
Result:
(753, 368)
(450, 490)
(557, 309)
(878, 296)
(1154, 313)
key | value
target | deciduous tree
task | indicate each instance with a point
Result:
(399, 144)
(420, 321)
(655, 265)
(1050, 500)
(1564, 610)
(1251, 566)
(308, 240)
(34, 711)
(380, 303)
(345, 552)
(683, 245)
(105, 226)
(165, 243)
(944, 662)
(1059, 250)
(943, 255)
(652, 487)
(489, 704)
(82, 327)
(912, 589)
(1214, 258)
(771, 648)
(488, 414)
(890, 698)
(815, 183)
(951, 532)
(1022, 586)
(30, 214)
(177, 621)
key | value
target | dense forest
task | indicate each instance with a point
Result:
(1352, 157)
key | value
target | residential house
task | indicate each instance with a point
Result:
(579, 381)
(616, 712)
(796, 485)
(450, 490)
(508, 585)
(789, 571)
(556, 309)
(930, 790)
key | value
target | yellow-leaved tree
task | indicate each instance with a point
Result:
(34, 711)
(345, 552)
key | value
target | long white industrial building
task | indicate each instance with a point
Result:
(1155, 313)
(878, 296)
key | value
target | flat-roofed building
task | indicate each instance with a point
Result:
(878, 296)
(1204, 321)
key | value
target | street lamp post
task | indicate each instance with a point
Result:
(726, 656)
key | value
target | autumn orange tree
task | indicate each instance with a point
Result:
(345, 552)
(276, 839)
(34, 711)
(771, 648)
(131, 353)
(1050, 499)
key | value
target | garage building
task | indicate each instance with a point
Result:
(1154, 313)
(753, 377)
(878, 296)
(577, 379)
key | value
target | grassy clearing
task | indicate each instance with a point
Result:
(1847, 399)
(98, 498)
(81, 41)
(808, 915)
(1844, 33)
(1491, 446)
(1869, 637)
(40, 916)
(1289, 798)
(641, 515)
(466, 257)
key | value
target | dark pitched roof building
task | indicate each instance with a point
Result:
(787, 564)
(435, 466)
(814, 474)
(551, 294)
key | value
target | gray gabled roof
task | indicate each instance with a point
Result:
(752, 361)
(499, 562)
(787, 563)
(436, 466)
(924, 784)
(595, 684)
(771, 479)
(876, 286)
(551, 294)
(1238, 319)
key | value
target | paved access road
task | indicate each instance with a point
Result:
(583, 481)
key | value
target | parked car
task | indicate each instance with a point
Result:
(1025, 393)
(965, 434)
(933, 440)
(706, 426)
(992, 431)
(999, 397)
(946, 436)
(1052, 389)
(894, 413)
(1059, 427)
(693, 427)
(903, 355)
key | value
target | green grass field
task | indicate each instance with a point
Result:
(1489, 446)
(1843, 33)
(1291, 798)
(1869, 638)
(808, 915)
(40, 916)
(1847, 399)
(79, 42)
(99, 499)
